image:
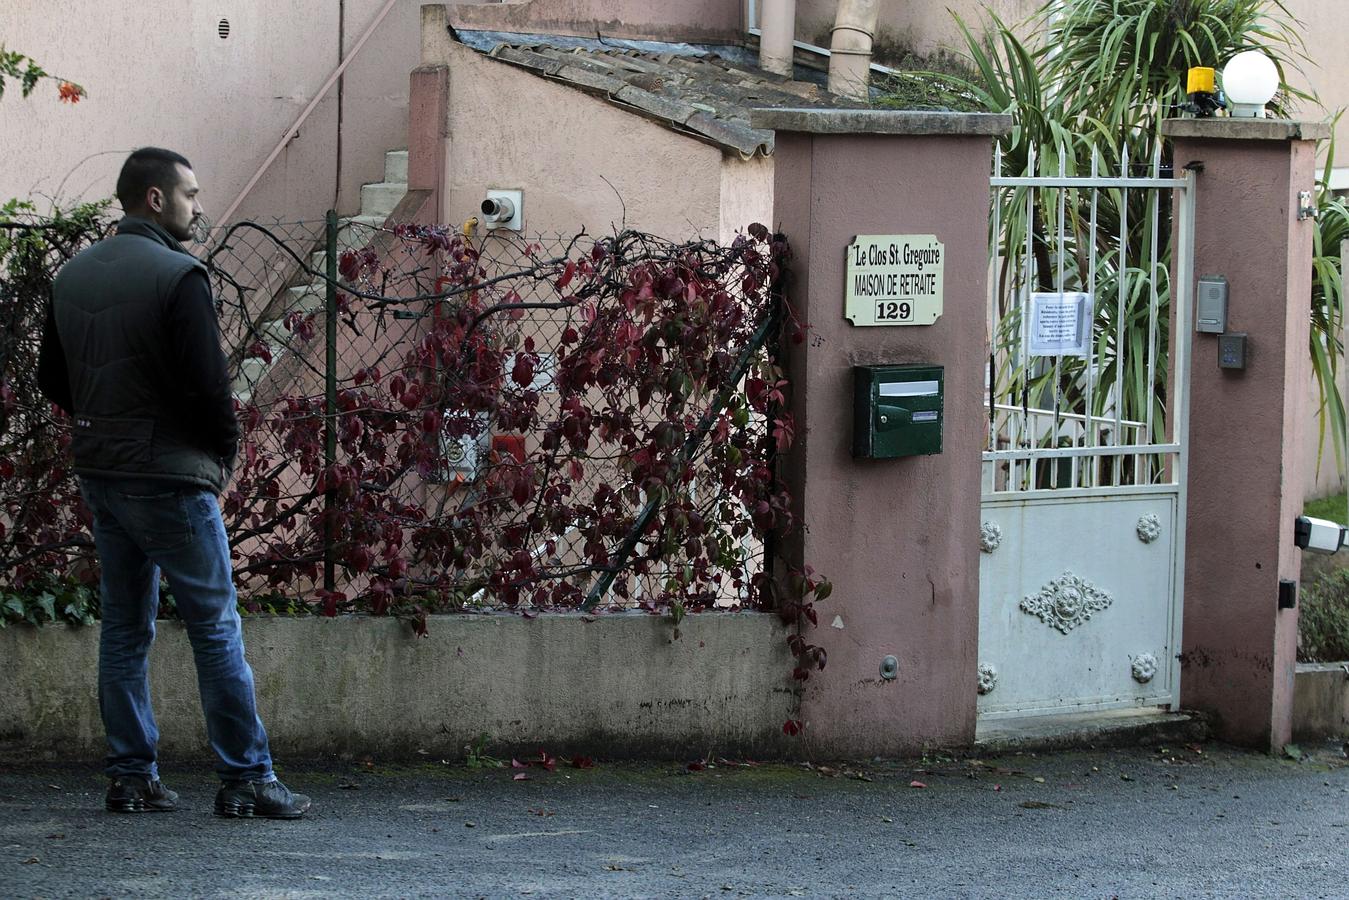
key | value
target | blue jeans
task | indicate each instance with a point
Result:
(140, 529)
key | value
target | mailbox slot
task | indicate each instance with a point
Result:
(897, 411)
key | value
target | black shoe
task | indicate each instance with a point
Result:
(136, 793)
(254, 799)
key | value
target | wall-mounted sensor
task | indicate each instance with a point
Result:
(1318, 535)
(503, 209)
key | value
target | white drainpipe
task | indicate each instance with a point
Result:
(777, 23)
(850, 47)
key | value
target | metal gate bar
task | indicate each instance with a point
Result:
(1136, 449)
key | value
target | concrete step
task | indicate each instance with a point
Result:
(381, 198)
(250, 372)
(276, 334)
(353, 232)
(396, 166)
(1102, 728)
(364, 228)
(305, 298)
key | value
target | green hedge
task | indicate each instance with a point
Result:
(1323, 621)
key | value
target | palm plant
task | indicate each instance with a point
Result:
(1090, 96)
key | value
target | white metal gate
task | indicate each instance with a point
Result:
(1083, 510)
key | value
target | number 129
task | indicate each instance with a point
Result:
(893, 311)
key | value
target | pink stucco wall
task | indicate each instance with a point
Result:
(924, 27)
(676, 20)
(896, 537)
(1246, 468)
(746, 194)
(158, 73)
(581, 162)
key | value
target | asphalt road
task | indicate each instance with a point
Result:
(1196, 821)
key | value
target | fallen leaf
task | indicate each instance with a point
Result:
(696, 767)
(30, 860)
(470, 824)
(1039, 780)
(1125, 777)
(520, 776)
(1292, 751)
(887, 820)
(613, 867)
(582, 762)
(997, 787)
(516, 764)
(917, 784)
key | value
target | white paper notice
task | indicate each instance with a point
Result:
(1060, 324)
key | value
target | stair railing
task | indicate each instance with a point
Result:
(294, 128)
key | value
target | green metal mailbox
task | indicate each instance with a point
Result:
(897, 411)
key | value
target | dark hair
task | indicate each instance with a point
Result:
(146, 168)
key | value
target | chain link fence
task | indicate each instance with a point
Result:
(485, 420)
(436, 420)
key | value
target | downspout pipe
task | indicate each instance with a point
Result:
(777, 26)
(850, 47)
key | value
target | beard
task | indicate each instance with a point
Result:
(191, 230)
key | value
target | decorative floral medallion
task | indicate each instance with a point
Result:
(1066, 602)
(988, 679)
(990, 537)
(1149, 528)
(1144, 667)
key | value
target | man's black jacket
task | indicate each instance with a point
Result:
(132, 351)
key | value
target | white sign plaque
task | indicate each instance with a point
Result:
(894, 279)
(1060, 324)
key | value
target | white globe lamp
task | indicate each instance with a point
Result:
(1250, 80)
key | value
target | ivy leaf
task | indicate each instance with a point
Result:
(47, 603)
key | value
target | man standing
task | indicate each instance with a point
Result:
(132, 351)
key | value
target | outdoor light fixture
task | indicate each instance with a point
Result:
(1250, 80)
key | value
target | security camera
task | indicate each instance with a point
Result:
(1318, 535)
(498, 210)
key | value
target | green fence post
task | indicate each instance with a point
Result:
(330, 396)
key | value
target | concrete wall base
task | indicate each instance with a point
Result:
(609, 686)
(1320, 701)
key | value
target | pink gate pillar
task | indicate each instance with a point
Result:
(899, 538)
(1246, 427)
